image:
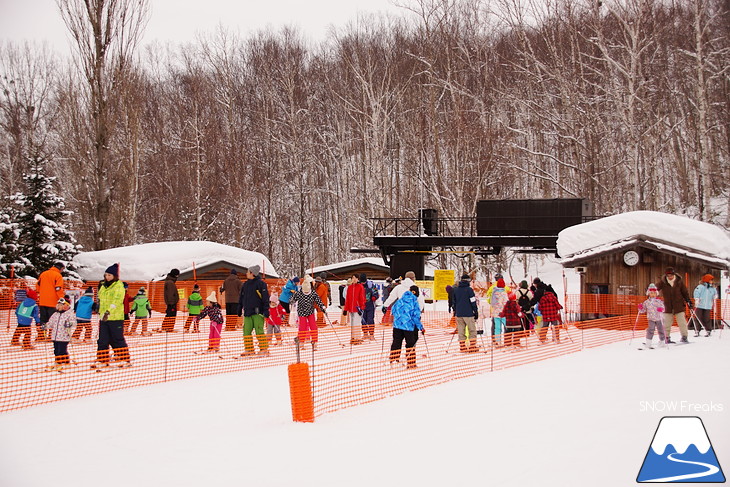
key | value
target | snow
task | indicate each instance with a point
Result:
(376, 261)
(612, 231)
(152, 261)
(583, 419)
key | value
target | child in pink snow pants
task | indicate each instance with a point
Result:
(213, 311)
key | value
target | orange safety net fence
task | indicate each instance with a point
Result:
(343, 375)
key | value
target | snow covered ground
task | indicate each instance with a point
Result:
(585, 419)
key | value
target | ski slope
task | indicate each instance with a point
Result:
(576, 420)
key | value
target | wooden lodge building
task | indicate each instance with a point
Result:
(623, 254)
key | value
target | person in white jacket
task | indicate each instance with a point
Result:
(61, 325)
(401, 289)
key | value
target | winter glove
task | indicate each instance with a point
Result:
(359, 310)
(385, 309)
(691, 306)
(423, 331)
(520, 314)
(660, 309)
(344, 312)
(641, 307)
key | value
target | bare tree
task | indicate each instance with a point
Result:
(106, 34)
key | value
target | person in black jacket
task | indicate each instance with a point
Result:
(254, 305)
(466, 310)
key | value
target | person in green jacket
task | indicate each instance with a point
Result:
(195, 305)
(111, 323)
(142, 310)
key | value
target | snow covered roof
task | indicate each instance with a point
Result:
(672, 233)
(152, 261)
(373, 261)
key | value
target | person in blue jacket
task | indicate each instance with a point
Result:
(406, 324)
(26, 312)
(705, 294)
(84, 308)
(291, 286)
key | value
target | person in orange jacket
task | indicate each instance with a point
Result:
(50, 290)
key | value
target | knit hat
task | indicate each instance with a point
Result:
(89, 291)
(273, 298)
(465, 277)
(31, 294)
(196, 288)
(295, 279)
(449, 289)
(652, 288)
(669, 270)
(512, 296)
(234, 271)
(498, 275)
(306, 287)
(254, 269)
(523, 284)
(323, 275)
(142, 291)
(113, 270)
(500, 282)
(211, 297)
(175, 272)
(708, 278)
(363, 277)
(536, 281)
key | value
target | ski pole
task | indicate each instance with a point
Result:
(333, 330)
(451, 340)
(693, 316)
(634, 328)
(565, 322)
(423, 334)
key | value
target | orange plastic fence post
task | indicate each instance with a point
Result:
(300, 389)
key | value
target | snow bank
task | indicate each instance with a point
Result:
(148, 262)
(703, 237)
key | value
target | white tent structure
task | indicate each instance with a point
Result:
(152, 261)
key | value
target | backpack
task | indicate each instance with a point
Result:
(371, 292)
(523, 300)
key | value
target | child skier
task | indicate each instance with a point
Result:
(84, 308)
(497, 300)
(212, 311)
(653, 307)
(142, 310)
(61, 326)
(27, 312)
(195, 304)
(306, 298)
(512, 314)
(274, 320)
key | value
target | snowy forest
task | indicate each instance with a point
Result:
(288, 147)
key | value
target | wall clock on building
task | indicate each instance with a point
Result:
(631, 258)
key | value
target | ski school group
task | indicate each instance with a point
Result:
(513, 312)
(661, 313)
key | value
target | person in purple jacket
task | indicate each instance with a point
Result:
(653, 307)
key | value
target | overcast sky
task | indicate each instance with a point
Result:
(179, 20)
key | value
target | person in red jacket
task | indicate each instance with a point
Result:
(50, 290)
(354, 305)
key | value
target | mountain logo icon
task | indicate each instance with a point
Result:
(680, 452)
